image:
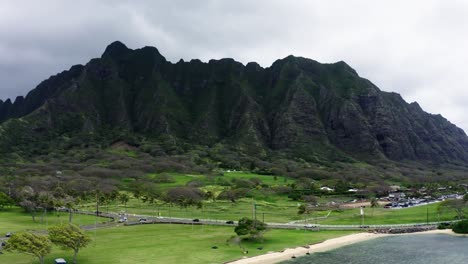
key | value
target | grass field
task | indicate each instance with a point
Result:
(266, 179)
(179, 179)
(175, 244)
(183, 179)
(282, 210)
(15, 219)
(419, 214)
(277, 209)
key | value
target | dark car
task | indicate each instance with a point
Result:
(230, 222)
(196, 220)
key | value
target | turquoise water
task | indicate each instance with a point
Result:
(408, 249)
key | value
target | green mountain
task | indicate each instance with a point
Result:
(295, 109)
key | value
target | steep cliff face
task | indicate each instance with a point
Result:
(297, 106)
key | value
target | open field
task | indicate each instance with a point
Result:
(183, 179)
(376, 216)
(270, 207)
(15, 219)
(279, 211)
(267, 179)
(175, 244)
(283, 210)
(171, 243)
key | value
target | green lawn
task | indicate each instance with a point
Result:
(179, 179)
(419, 214)
(175, 244)
(15, 219)
(183, 179)
(266, 179)
(280, 209)
(271, 207)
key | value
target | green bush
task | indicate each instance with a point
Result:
(461, 227)
(444, 226)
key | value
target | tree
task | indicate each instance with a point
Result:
(124, 198)
(209, 195)
(252, 229)
(5, 200)
(306, 184)
(69, 236)
(45, 201)
(70, 203)
(29, 201)
(461, 227)
(8, 178)
(310, 199)
(302, 209)
(70, 200)
(458, 205)
(228, 195)
(30, 243)
(184, 196)
(341, 187)
(374, 203)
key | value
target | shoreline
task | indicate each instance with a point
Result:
(330, 244)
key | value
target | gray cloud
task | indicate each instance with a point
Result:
(415, 48)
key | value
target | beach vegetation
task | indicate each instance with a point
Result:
(461, 227)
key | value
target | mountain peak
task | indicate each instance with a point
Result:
(115, 49)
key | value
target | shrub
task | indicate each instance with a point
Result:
(164, 178)
(461, 227)
(250, 229)
(444, 226)
(184, 196)
(282, 189)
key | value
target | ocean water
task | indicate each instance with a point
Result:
(407, 249)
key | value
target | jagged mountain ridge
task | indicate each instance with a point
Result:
(297, 105)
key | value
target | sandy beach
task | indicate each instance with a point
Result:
(276, 257)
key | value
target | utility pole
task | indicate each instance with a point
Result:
(253, 209)
(97, 204)
(255, 212)
(427, 215)
(362, 215)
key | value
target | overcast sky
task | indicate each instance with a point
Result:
(416, 48)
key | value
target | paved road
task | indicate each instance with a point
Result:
(133, 219)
